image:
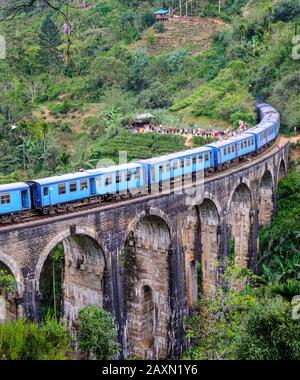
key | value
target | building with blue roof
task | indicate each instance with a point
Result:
(162, 14)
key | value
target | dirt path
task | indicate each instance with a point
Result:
(295, 153)
(290, 139)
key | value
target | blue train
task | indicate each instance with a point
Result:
(64, 192)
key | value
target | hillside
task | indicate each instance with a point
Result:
(75, 75)
(195, 34)
(70, 96)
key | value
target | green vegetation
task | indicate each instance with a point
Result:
(68, 92)
(7, 281)
(97, 334)
(51, 283)
(225, 97)
(254, 321)
(21, 340)
(59, 89)
(280, 241)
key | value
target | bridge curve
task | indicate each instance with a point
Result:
(103, 244)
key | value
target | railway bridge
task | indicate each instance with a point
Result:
(138, 258)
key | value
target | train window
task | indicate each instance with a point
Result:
(188, 162)
(108, 180)
(5, 198)
(118, 178)
(229, 150)
(73, 187)
(242, 145)
(161, 169)
(194, 160)
(62, 189)
(200, 157)
(137, 174)
(206, 157)
(45, 191)
(128, 176)
(168, 166)
(249, 141)
(175, 165)
(84, 184)
(182, 163)
(225, 151)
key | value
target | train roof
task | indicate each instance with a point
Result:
(83, 174)
(219, 144)
(176, 155)
(14, 186)
(114, 168)
(241, 137)
(61, 178)
(261, 127)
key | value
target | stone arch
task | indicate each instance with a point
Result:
(281, 169)
(84, 267)
(240, 222)
(146, 266)
(154, 211)
(209, 227)
(265, 198)
(10, 309)
(14, 269)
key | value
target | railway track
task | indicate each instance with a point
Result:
(84, 209)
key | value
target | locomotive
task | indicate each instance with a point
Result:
(65, 192)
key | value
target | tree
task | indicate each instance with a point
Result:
(65, 159)
(97, 335)
(48, 54)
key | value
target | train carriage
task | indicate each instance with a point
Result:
(176, 165)
(244, 144)
(68, 188)
(264, 133)
(224, 151)
(14, 198)
(119, 179)
(90, 186)
(61, 189)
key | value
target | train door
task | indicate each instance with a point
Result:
(32, 194)
(46, 201)
(92, 186)
(24, 199)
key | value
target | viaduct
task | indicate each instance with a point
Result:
(138, 258)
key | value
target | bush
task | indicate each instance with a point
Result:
(97, 335)
(159, 27)
(147, 19)
(156, 96)
(285, 10)
(63, 107)
(150, 37)
(21, 340)
(268, 332)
